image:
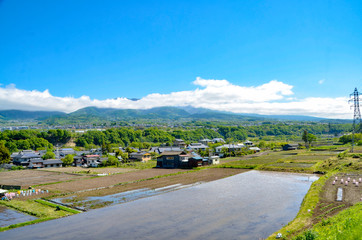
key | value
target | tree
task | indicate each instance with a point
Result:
(48, 155)
(111, 161)
(4, 154)
(68, 160)
(311, 138)
(305, 137)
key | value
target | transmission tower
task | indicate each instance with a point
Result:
(354, 101)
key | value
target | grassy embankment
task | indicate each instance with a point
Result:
(303, 222)
(41, 209)
(346, 225)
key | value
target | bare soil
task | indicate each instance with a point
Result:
(107, 181)
(26, 178)
(328, 204)
(80, 170)
(205, 175)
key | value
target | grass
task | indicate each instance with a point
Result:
(57, 206)
(345, 225)
(37, 208)
(139, 165)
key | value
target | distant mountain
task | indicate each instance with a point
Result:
(28, 115)
(96, 115)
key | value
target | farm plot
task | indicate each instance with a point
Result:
(26, 178)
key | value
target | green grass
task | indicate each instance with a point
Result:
(345, 225)
(43, 212)
(57, 205)
(139, 165)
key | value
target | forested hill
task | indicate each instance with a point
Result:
(28, 115)
(93, 114)
(99, 115)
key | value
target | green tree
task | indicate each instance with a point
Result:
(4, 154)
(68, 160)
(305, 137)
(48, 155)
(311, 138)
(111, 161)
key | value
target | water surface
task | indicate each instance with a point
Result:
(10, 216)
(250, 205)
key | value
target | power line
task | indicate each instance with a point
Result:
(354, 101)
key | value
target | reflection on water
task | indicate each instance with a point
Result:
(250, 205)
(9, 216)
(123, 197)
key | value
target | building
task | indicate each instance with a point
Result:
(205, 141)
(174, 159)
(23, 158)
(214, 160)
(179, 143)
(288, 147)
(92, 160)
(249, 143)
(229, 147)
(218, 140)
(196, 147)
(255, 149)
(52, 163)
(140, 156)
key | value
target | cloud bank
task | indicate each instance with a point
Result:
(272, 98)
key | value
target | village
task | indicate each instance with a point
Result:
(180, 155)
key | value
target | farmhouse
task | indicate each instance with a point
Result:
(140, 156)
(197, 146)
(179, 143)
(288, 147)
(175, 159)
(23, 157)
(52, 163)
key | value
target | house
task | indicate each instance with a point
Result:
(196, 147)
(65, 151)
(229, 147)
(195, 162)
(249, 143)
(52, 163)
(179, 143)
(92, 160)
(35, 163)
(140, 156)
(205, 141)
(174, 159)
(214, 160)
(218, 140)
(160, 150)
(23, 157)
(78, 161)
(288, 147)
(255, 149)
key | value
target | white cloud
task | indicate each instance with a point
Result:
(321, 81)
(274, 97)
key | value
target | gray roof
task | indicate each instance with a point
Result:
(52, 161)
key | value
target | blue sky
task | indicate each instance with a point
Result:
(131, 49)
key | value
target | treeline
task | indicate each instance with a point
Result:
(128, 136)
(33, 139)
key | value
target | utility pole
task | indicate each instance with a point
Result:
(354, 101)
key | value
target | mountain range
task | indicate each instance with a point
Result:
(94, 114)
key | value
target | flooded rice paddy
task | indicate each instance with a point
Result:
(251, 205)
(90, 202)
(10, 216)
